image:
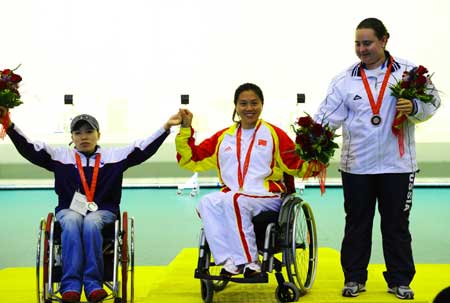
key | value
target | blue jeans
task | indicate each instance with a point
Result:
(82, 249)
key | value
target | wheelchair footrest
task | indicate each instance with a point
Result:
(258, 278)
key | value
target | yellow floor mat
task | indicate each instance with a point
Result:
(175, 283)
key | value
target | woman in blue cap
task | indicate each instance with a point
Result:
(88, 182)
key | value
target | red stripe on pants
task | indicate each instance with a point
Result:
(241, 231)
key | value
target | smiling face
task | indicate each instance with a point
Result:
(369, 48)
(85, 138)
(249, 107)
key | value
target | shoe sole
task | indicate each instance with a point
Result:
(391, 291)
(226, 273)
(350, 294)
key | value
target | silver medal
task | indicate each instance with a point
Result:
(92, 206)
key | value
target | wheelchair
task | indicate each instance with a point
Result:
(118, 255)
(291, 234)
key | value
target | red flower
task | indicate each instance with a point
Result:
(314, 143)
(9, 84)
(6, 72)
(421, 70)
(302, 139)
(413, 85)
(305, 121)
(421, 80)
(404, 84)
(317, 130)
(15, 78)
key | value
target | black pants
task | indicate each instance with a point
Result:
(394, 195)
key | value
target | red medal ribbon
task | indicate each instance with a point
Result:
(88, 191)
(241, 175)
(397, 129)
(318, 169)
(376, 106)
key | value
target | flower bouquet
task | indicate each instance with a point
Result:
(314, 143)
(415, 84)
(9, 95)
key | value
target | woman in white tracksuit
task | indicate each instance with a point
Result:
(250, 157)
(375, 163)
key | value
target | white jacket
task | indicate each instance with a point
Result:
(369, 149)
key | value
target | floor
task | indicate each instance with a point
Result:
(175, 283)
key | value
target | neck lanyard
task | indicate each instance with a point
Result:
(242, 174)
(88, 191)
(376, 106)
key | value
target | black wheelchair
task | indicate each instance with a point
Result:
(290, 234)
(118, 254)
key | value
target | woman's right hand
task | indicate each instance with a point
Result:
(3, 112)
(4, 117)
(186, 117)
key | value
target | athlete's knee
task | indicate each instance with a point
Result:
(69, 219)
(93, 221)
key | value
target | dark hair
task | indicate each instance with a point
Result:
(245, 87)
(375, 24)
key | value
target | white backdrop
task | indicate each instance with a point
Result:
(127, 62)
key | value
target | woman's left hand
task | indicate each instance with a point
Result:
(173, 120)
(404, 106)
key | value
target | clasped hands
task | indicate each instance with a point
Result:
(183, 118)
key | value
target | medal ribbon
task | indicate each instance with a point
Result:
(376, 106)
(88, 191)
(241, 175)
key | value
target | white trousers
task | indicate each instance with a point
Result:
(227, 223)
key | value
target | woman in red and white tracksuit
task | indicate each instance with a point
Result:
(250, 157)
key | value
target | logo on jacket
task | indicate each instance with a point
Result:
(357, 97)
(262, 142)
(228, 149)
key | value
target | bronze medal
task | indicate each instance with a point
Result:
(375, 120)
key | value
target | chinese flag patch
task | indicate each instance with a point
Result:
(262, 142)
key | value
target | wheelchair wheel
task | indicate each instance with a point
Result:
(124, 256)
(207, 290)
(214, 270)
(51, 260)
(302, 251)
(45, 257)
(287, 292)
(206, 263)
(132, 259)
(46, 262)
(40, 293)
(220, 285)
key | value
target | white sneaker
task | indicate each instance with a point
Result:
(229, 269)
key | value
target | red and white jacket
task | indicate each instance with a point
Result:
(272, 154)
